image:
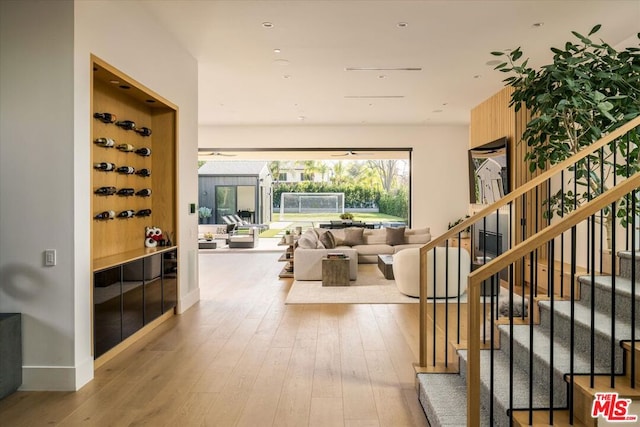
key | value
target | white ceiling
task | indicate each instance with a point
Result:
(242, 80)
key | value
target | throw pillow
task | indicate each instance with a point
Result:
(353, 236)
(328, 240)
(308, 241)
(395, 235)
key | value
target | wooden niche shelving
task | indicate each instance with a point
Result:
(131, 281)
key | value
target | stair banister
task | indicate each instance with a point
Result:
(508, 198)
(507, 258)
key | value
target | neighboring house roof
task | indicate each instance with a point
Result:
(233, 168)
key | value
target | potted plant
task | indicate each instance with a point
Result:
(204, 213)
(346, 217)
(288, 237)
(464, 233)
(587, 91)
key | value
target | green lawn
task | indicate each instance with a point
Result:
(316, 217)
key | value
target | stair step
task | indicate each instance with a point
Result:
(582, 328)
(602, 291)
(541, 418)
(542, 357)
(626, 259)
(501, 386)
(444, 399)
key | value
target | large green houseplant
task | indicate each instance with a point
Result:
(588, 90)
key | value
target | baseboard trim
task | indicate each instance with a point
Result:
(48, 378)
(188, 300)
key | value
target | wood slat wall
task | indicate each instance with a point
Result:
(494, 119)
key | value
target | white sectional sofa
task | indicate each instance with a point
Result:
(361, 245)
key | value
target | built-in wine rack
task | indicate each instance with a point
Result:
(133, 146)
(133, 186)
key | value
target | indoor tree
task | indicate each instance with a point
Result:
(588, 90)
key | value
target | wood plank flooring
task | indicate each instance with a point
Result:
(241, 357)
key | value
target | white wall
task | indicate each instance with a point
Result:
(44, 173)
(440, 168)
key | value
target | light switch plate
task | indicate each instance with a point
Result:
(50, 257)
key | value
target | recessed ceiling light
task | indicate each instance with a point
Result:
(276, 51)
(477, 76)
(151, 101)
(286, 76)
(302, 118)
(382, 76)
(267, 25)
(537, 24)
(281, 61)
(402, 25)
(124, 87)
(114, 82)
(493, 62)
(437, 111)
(445, 103)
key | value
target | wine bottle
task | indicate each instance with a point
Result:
(144, 131)
(127, 170)
(105, 117)
(126, 124)
(105, 215)
(106, 191)
(127, 214)
(143, 212)
(126, 192)
(104, 166)
(144, 172)
(105, 142)
(145, 192)
(144, 152)
(125, 147)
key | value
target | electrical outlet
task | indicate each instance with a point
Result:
(50, 257)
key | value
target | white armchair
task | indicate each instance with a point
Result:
(406, 270)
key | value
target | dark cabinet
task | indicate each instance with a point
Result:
(128, 296)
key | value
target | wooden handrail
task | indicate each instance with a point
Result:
(498, 264)
(508, 198)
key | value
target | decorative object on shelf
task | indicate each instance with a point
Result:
(144, 172)
(168, 242)
(153, 236)
(104, 142)
(127, 170)
(126, 124)
(208, 236)
(127, 148)
(144, 131)
(143, 212)
(127, 214)
(105, 215)
(288, 237)
(145, 192)
(105, 117)
(144, 152)
(104, 166)
(126, 192)
(105, 191)
(464, 233)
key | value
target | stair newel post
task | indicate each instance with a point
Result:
(423, 306)
(473, 342)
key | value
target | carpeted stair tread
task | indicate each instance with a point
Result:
(582, 317)
(623, 285)
(542, 347)
(444, 399)
(501, 385)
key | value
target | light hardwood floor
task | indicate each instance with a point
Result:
(241, 357)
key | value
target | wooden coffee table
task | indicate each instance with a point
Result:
(385, 265)
(335, 271)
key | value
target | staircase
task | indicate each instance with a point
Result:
(538, 383)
